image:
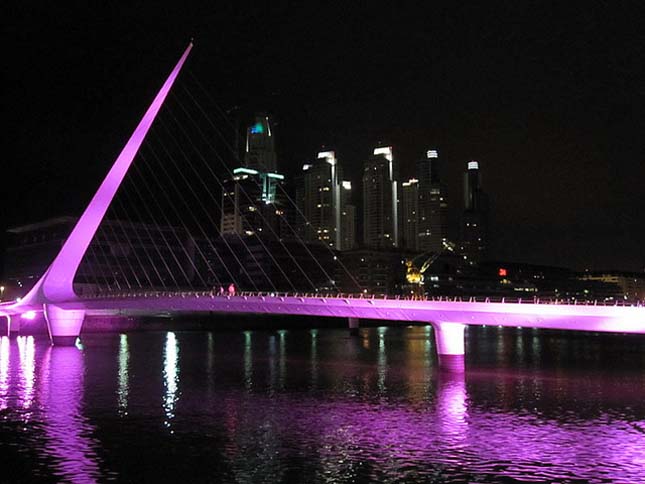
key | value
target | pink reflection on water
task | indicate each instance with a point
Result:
(465, 437)
(452, 409)
(5, 349)
(27, 351)
(66, 428)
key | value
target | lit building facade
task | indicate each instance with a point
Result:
(253, 201)
(319, 199)
(432, 219)
(325, 203)
(380, 200)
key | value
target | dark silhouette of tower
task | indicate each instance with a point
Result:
(474, 224)
(433, 207)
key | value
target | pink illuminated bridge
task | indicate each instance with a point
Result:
(65, 311)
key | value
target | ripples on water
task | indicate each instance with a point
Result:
(321, 406)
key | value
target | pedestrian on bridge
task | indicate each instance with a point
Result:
(231, 289)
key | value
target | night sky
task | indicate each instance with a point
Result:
(549, 97)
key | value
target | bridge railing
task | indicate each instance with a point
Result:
(137, 294)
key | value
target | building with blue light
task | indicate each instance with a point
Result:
(253, 197)
(259, 151)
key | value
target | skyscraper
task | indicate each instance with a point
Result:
(409, 214)
(319, 198)
(380, 200)
(433, 207)
(325, 202)
(260, 146)
(475, 218)
(252, 202)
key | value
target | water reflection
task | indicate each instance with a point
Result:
(452, 410)
(314, 359)
(171, 377)
(348, 413)
(506, 437)
(282, 365)
(382, 360)
(26, 349)
(248, 361)
(210, 356)
(519, 344)
(5, 353)
(124, 382)
(272, 377)
(66, 427)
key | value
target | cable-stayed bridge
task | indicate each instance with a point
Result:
(165, 271)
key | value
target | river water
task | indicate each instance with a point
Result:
(309, 405)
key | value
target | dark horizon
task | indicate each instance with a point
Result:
(545, 100)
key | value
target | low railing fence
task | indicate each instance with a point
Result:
(133, 294)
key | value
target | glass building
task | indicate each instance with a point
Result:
(380, 200)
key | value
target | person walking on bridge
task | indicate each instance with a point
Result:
(231, 289)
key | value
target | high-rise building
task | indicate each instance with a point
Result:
(475, 218)
(380, 200)
(325, 203)
(319, 198)
(347, 217)
(260, 146)
(433, 207)
(409, 214)
(252, 199)
(251, 203)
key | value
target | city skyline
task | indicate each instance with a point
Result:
(562, 156)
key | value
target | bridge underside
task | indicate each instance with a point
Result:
(566, 317)
(448, 319)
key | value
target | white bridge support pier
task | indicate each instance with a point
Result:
(64, 325)
(13, 325)
(449, 339)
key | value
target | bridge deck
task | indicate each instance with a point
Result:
(623, 319)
